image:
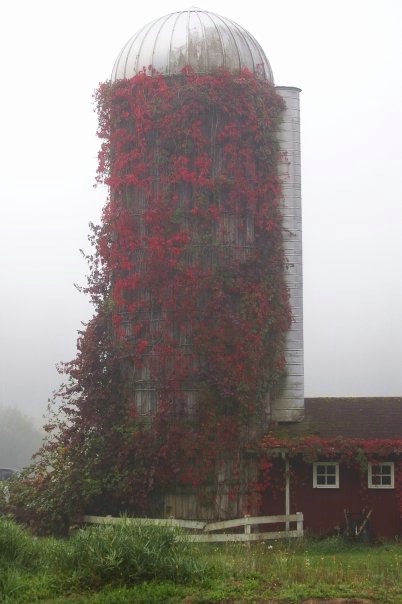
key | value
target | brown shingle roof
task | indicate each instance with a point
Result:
(373, 417)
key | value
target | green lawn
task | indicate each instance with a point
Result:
(130, 563)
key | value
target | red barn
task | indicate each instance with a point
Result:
(343, 461)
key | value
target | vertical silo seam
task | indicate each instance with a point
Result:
(204, 41)
(220, 37)
(240, 32)
(128, 45)
(156, 40)
(187, 37)
(136, 60)
(144, 30)
(170, 43)
(224, 21)
(116, 64)
(264, 60)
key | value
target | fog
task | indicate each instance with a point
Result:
(345, 56)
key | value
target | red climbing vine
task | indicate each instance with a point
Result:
(172, 376)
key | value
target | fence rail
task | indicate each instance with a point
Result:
(207, 529)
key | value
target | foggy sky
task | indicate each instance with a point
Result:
(345, 56)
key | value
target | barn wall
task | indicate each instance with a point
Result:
(323, 509)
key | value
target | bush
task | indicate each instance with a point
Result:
(17, 548)
(127, 553)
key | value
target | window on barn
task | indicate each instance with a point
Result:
(326, 475)
(381, 475)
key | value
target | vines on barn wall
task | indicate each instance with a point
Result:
(191, 307)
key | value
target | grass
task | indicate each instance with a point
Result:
(127, 563)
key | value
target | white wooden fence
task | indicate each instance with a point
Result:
(206, 530)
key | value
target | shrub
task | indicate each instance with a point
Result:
(17, 548)
(128, 552)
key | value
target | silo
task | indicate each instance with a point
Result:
(289, 406)
(223, 230)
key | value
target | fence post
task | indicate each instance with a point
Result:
(287, 491)
(247, 527)
(300, 523)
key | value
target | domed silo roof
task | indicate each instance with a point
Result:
(193, 37)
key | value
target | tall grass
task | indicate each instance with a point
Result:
(122, 554)
(21, 560)
(129, 552)
(17, 548)
(293, 571)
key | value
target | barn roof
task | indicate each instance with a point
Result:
(373, 417)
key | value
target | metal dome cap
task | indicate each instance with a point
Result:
(197, 38)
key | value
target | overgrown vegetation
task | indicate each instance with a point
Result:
(125, 554)
(135, 563)
(168, 391)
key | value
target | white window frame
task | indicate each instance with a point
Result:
(333, 464)
(391, 474)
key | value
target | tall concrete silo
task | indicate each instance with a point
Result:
(209, 45)
(206, 42)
